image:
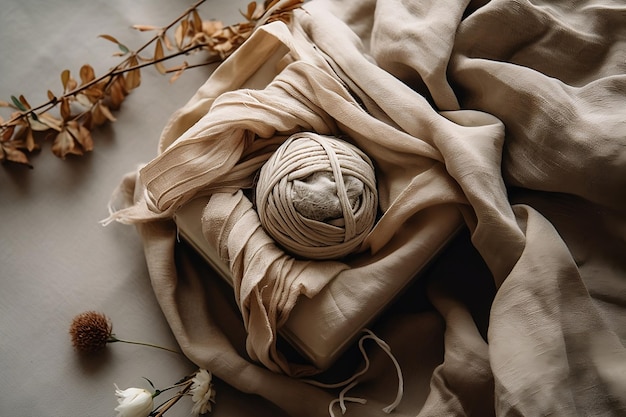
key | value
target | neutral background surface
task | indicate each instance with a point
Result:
(556, 335)
(56, 260)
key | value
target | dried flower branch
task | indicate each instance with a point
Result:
(138, 402)
(92, 331)
(84, 106)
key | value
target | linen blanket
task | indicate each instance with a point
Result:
(515, 112)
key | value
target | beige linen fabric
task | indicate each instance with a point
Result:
(513, 110)
(238, 132)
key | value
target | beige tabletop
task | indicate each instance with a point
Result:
(56, 259)
(522, 314)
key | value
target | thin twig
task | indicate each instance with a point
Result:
(162, 409)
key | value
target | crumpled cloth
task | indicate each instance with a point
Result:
(236, 131)
(511, 110)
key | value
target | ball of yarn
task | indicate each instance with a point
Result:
(316, 196)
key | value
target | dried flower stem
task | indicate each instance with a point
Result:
(117, 70)
(100, 95)
(162, 409)
(171, 25)
(113, 339)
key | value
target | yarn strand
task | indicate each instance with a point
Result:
(316, 196)
(352, 381)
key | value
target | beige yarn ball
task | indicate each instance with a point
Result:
(316, 196)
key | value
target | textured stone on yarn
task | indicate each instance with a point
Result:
(316, 196)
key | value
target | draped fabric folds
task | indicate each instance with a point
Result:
(514, 111)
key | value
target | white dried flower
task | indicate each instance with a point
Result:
(202, 392)
(133, 402)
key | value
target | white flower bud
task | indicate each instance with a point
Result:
(133, 402)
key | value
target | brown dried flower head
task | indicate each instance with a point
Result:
(90, 332)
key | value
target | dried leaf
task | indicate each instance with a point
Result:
(196, 22)
(83, 100)
(133, 78)
(201, 38)
(65, 110)
(51, 121)
(37, 124)
(117, 92)
(4, 103)
(24, 102)
(95, 118)
(104, 112)
(158, 50)
(81, 135)
(250, 12)
(211, 27)
(167, 42)
(71, 84)
(179, 71)
(109, 38)
(119, 80)
(7, 133)
(180, 33)
(103, 84)
(223, 48)
(65, 78)
(176, 76)
(142, 58)
(85, 139)
(158, 55)
(245, 27)
(28, 139)
(88, 119)
(87, 74)
(94, 93)
(17, 119)
(64, 144)
(145, 28)
(184, 65)
(51, 96)
(100, 115)
(8, 152)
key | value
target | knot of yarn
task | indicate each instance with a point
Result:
(316, 196)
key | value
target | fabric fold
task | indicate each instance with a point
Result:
(267, 281)
(523, 133)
